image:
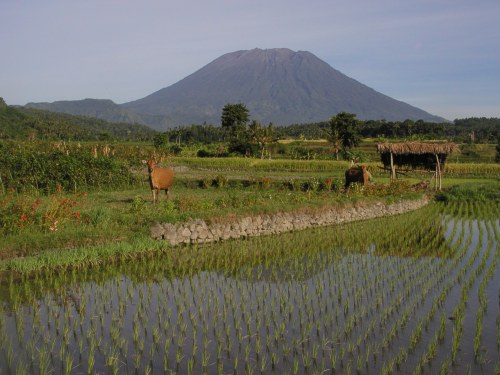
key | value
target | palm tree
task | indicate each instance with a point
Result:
(261, 135)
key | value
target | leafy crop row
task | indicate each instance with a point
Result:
(25, 170)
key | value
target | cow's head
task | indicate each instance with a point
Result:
(150, 163)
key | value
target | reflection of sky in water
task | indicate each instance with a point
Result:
(354, 310)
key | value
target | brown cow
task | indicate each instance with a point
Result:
(357, 174)
(159, 178)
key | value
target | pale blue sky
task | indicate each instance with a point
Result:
(442, 56)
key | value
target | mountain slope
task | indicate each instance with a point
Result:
(277, 85)
(30, 123)
(104, 109)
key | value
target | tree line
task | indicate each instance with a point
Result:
(247, 137)
(470, 130)
(343, 132)
(237, 129)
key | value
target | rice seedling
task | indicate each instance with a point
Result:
(299, 302)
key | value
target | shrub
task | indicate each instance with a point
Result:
(313, 184)
(207, 182)
(18, 211)
(328, 183)
(138, 204)
(44, 170)
(175, 149)
(293, 184)
(264, 182)
(338, 185)
(203, 153)
(221, 181)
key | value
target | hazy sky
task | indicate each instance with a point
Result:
(442, 56)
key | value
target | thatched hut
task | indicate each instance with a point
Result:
(416, 155)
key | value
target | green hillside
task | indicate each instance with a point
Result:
(27, 123)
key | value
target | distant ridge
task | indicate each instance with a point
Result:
(277, 85)
(32, 123)
(103, 109)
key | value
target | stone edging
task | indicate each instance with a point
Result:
(198, 231)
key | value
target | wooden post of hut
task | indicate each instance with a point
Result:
(393, 169)
(438, 173)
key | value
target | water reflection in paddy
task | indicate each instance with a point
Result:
(396, 294)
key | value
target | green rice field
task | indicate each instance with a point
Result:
(409, 294)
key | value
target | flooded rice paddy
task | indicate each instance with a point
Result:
(416, 293)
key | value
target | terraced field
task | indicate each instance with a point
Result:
(416, 293)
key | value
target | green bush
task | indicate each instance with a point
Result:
(45, 170)
(203, 153)
(221, 181)
(207, 182)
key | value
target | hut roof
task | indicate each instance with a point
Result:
(418, 155)
(417, 148)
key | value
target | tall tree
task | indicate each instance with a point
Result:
(333, 136)
(344, 132)
(235, 118)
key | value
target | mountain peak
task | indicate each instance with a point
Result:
(277, 85)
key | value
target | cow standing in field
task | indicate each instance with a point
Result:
(159, 178)
(357, 174)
